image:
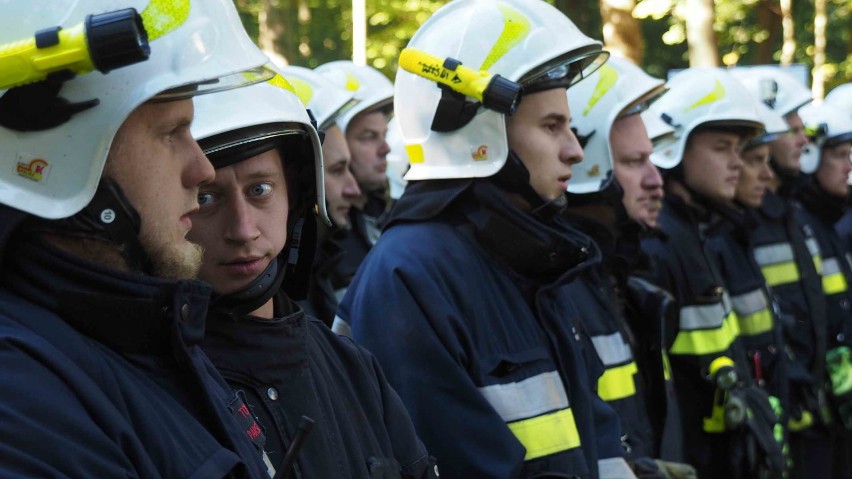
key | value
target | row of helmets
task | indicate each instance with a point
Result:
(201, 43)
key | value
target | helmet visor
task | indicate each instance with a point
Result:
(564, 71)
(227, 82)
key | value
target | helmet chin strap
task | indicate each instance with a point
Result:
(110, 218)
(515, 178)
(253, 295)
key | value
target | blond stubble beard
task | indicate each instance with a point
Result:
(171, 261)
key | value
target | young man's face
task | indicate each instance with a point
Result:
(539, 132)
(365, 136)
(754, 176)
(787, 150)
(242, 223)
(341, 189)
(160, 167)
(834, 168)
(638, 177)
(711, 164)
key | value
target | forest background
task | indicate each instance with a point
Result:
(659, 35)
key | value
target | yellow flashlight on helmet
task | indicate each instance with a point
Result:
(493, 91)
(101, 42)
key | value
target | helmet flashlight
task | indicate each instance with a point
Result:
(102, 42)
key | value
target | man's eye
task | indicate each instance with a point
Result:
(261, 189)
(205, 199)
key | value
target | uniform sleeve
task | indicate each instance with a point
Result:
(410, 324)
(46, 430)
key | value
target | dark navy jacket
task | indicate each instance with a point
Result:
(462, 302)
(102, 376)
(295, 366)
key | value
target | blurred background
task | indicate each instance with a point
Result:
(659, 35)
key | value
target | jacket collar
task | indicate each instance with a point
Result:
(258, 348)
(818, 202)
(129, 313)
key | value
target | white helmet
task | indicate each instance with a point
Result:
(397, 160)
(372, 89)
(524, 41)
(776, 88)
(53, 172)
(774, 126)
(696, 97)
(619, 88)
(259, 114)
(325, 99)
(658, 130)
(840, 97)
(825, 126)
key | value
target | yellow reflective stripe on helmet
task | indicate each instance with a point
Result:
(617, 383)
(753, 313)
(352, 83)
(415, 153)
(547, 434)
(515, 28)
(530, 397)
(833, 281)
(163, 16)
(281, 82)
(302, 89)
(707, 341)
(780, 273)
(717, 94)
(607, 78)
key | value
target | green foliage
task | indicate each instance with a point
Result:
(325, 34)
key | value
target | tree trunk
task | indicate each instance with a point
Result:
(703, 49)
(278, 30)
(577, 11)
(767, 19)
(621, 32)
(788, 48)
(820, 21)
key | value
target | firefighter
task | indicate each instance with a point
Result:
(614, 197)
(256, 224)
(727, 422)
(824, 195)
(461, 298)
(100, 316)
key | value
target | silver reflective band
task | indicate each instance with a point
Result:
(775, 253)
(614, 468)
(830, 266)
(341, 327)
(528, 398)
(705, 316)
(612, 349)
(813, 246)
(750, 303)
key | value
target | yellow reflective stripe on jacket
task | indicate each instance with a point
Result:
(777, 263)
(753, 314)
(833, 281)
(533, 396)
(617, 382)
(547, 434)
(816, 255)
(537, 412)
(707, 341)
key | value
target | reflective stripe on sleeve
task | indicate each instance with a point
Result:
(777, 263)
(531, 397)
(537, 412)
(753, 314)
(612, 349)
(833, 281)
(548, 434)
(706, 341)
(617, 382)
